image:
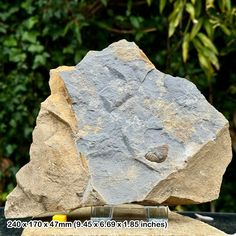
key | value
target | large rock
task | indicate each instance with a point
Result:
(116, 130)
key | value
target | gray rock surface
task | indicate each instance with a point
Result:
(125, 108)
(141, 135)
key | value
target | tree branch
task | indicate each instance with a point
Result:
(131, 31)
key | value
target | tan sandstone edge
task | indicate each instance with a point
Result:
(185, 186)
(55, 177)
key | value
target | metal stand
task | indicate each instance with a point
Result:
(156, 213)
(152, 213)
(104, 213)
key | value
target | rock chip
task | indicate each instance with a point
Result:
(117, 130)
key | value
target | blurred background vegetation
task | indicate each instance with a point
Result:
(188, 38)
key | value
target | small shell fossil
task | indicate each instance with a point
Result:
(158, 154)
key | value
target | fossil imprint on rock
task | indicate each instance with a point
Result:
(158, 154)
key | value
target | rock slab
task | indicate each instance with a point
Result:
(116, 130)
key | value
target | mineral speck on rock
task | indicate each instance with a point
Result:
(116, 130)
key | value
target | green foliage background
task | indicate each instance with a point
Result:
(188, 38)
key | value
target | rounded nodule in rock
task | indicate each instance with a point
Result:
(158, 154)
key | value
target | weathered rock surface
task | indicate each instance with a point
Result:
(116, 130)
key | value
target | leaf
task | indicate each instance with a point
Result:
(207, 42)
(225, 29)
(175, 17)
(171, 29)
(7, 14)
(69, 49)
(10, 42)
(27, 131)
(77, 33)
(225, 5)
(205, 64)
(78, 56)
(228, 4)
(120, 18)
(196, 28)
(10, 149)
(209, 28)
(185, 47)
(206, 52)
(162, 5)
(198, 8)
(35, 48)
(209, 4)
(40, 60)
(30, 36)
(16, 55)
(104, 2)
(149, 2)
(3, 29)
(27, 6)
(19, 88)
(190, 9)
(129, 7)
(3, 196)
(138, 36)
(222, 5)
(31, 22)
(232, 90)
(212, 57)
(68, 26)
(135, 22)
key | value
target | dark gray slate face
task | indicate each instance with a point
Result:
(130, 115)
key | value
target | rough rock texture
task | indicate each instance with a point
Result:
(177, 225)
(116, 130)
(55, 177)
